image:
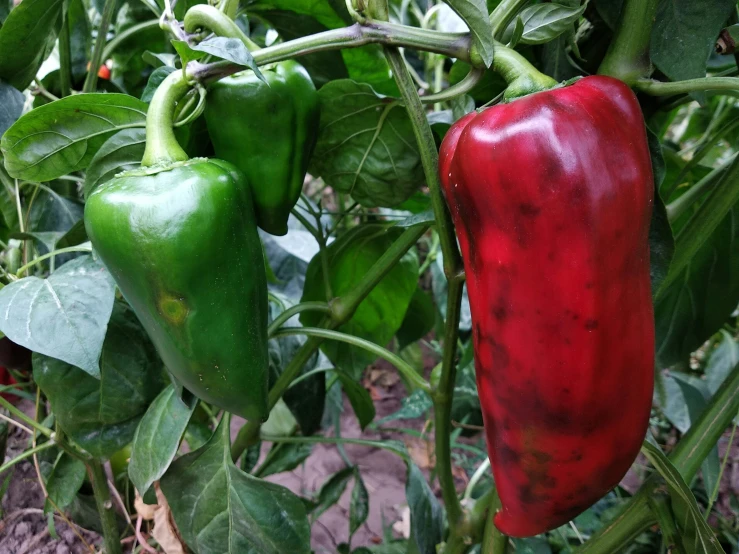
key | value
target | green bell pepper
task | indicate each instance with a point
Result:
(180, 239)
(268, 130)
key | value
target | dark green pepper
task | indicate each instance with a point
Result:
(268, 130)
(180, 239)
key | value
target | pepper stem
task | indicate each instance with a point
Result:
(161, 144)
(203, 16)
(522, 77)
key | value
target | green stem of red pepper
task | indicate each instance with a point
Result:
(161, 144)
(522, 77)
(627, 57)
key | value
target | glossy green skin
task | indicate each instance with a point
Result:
(182, 245)
(269, 133)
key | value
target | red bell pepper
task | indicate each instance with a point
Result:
(551, 195)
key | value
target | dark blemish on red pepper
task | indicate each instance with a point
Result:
(591, 324)
(529, 210)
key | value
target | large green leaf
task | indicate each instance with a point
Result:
(684, 33)
(220, 509)
(158, 437)
(366, 145)
(381, 313)
(63, 136)
(101, 415)
(26, 38)
(64, 316)
(11, 106)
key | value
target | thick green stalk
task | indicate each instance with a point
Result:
(522, 77)
(453, 270)
(660, 88)
(65, 57)
(97, 53)
(402, 366)
(105, 507)
(453, 45)
(636, 515)
(627, 57)
(161, 144)
(703, 222)
(209, 17)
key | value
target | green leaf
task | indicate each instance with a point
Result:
(701, 299)
(218, 508)
(426, 513)
(64, 316)
(80, 38)
(332, 490)
(63, 136)
(101, 415)
(155, 79)
(359, 507)
(381, 313)
(419, 319)
(697, 536)
(158, 437)
(722, 361)
(475, 14)
(424, 218)
(120, 152)
(359, 398)
(545, 22)
(661, 241)
(27, 38)
(411, 407)
(229, 49)
(366, 145)
(11, 106)
(283, 457)
(684, 34)
(64, 482)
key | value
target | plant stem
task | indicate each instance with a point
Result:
(65, 57)
(343, 308)
(703, 222)
(123, 36)
(522, 77)
(211, 18)
(403, 367)
(503, 14)
(294, 310)
(25, 419)
(331, 440)
(27, 454)
(627, 57)
(453, 45)
(463, 87)
(229, 7)
(249, 433)
(677, 207)
(97, 53)
(105, 507)
(636, 516)
(35, 261)
(453, 269)
(660, 88)
(161, 144)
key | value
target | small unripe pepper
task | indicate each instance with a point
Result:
(551, 196)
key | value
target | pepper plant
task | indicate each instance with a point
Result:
(526, 208)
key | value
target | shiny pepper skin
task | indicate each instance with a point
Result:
(267, 130)
(182, 245)
(551, 195)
